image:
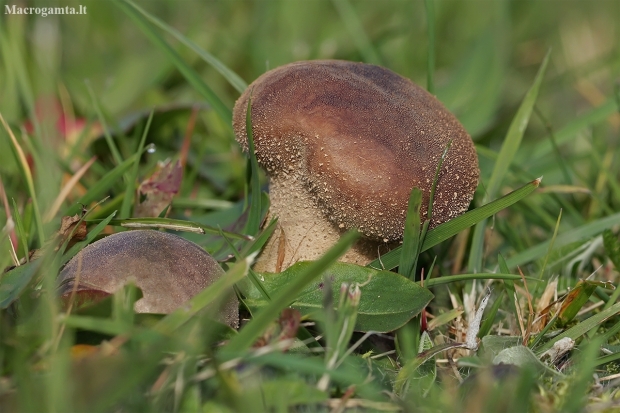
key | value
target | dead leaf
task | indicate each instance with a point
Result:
(156, 192)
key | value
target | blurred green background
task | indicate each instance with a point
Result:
(487, 54)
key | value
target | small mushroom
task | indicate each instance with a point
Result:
(169, 270)
(344, 144)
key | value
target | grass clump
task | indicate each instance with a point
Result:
(535, 89)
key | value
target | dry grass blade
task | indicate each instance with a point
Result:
(64, 192)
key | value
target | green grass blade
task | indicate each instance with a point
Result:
(582, 328)
(504, 160)
(447, 279)
(174, 225)
(13, 283)
(101, 188)
(106, 130)
(252, 330)
(21, 231)
(576, 234)
(254, 219)
(571, 130)
(458, 224)
(239, 84)
(132, 177)
(551, 242)
(190, 74)
(411, 237)
(20, 159)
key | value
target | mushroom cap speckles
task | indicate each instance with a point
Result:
(361, 138)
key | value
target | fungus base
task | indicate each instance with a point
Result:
(303, 232)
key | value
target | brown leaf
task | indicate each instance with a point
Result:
(71, 227)
(156, 192)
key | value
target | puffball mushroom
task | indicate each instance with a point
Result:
(169, 270)
(344, 144)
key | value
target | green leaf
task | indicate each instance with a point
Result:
(252, 330)
(524, 357)
(491, 346)
(458, 224)
(388, 299)
(504, 160)
(13, 283)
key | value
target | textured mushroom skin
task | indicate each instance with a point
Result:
(169, 270)
(359, 138)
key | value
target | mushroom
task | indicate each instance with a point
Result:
(344, 144)
(169, 270)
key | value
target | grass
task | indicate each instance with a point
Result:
(90, 104)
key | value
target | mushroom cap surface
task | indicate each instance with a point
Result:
(169, 270)
(360, 137)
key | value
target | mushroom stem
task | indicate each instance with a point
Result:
(307, 233)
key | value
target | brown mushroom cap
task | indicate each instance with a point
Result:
(361, 138)
(169, 270)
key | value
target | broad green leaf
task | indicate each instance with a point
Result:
(284, 296)
(458, 224)
(524, 357)
(504, 160)
(388, 299)
(491, 346)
